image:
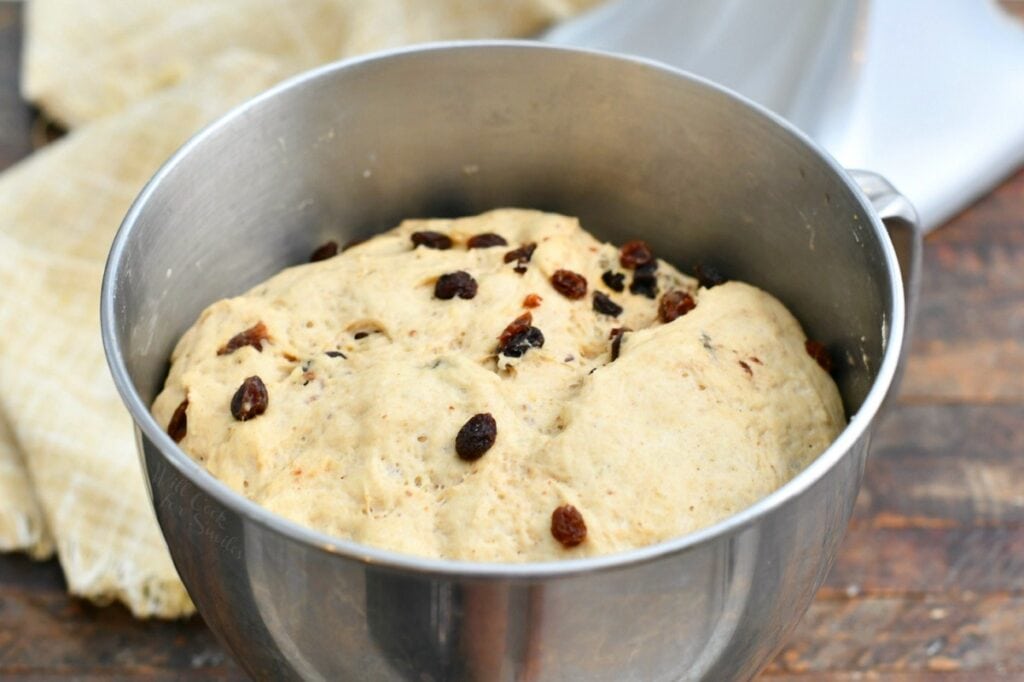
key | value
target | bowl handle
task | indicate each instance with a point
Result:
(904, 228)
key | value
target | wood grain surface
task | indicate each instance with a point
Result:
(928, 585)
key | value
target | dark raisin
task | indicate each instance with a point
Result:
(253, 336)
(178, 426)
(459, 283)
(605, 305)
(645, 280)
(524, 252)
(519, 337)
(746, 368)
(336, 354)
(520, 343)
(476, 437)
(532, 301)
(250, 400)
(325, 251)
(616, 337)
(431, 240)
(675, 304)
(360, 335)
(818, 351)
(485, 241)
(709, 276)
(567, 525)
(569, 284)
(616, 281)
(635, 253)
(521, 256)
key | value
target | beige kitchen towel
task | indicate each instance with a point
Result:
(86, 59)
(22, 526)
(139, 77)
(59, 211)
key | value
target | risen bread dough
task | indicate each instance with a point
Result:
(695, 420)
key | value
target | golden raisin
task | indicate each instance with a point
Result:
(818, 351)
(521, 256)
(250, 400)
(519, 337)
(177, 428)
(567, 525)
(635, 253)
(253, 336)
(675, 304)
(616, 337)
(569, 284)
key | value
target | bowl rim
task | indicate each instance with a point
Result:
(856, 428)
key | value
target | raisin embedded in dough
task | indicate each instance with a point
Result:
(250, 400)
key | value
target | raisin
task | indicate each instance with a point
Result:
(567, 525)
(635, 253)
(533, 338)
(532, 301)
(485, 241)
(569, 284)
(521, 256)
(336, 354)
(253, 336)
(178, 426)
(645, 280)
(616, 281)
(250, 400)
(605, 305)
(459, 283)
(516, 327)
(818, 351)
(519, 337)
(476, 437)
(709, 276)
(431, 240)
(746, 368)
(325, 251)
(616, 337)
(675, 304)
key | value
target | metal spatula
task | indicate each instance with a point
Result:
(928, 93)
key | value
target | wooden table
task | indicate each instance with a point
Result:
(929, 584)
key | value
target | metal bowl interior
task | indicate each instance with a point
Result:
(634, 149)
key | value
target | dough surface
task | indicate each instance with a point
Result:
(695, 420)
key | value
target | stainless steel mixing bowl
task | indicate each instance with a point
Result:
(634, 149)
